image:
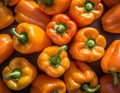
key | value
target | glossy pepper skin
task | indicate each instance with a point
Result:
(10, 2)
(111, 20)
(84, 12)
(3, 87)
(19, 73)
(80, 78)
(53, 7)
(61, 29)
(6, 48)
(110, 62)
(46, 84)
(6, 16)
(107, 85)
(54, 61)
(88, 45)
(29, 11)
(29, 38)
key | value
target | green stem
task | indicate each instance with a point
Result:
(115, 77)
(6, 2)
(89, 6)
(15, 75)
(54, 91)
(60, 28)
(90, 43)
(85, 87)
(22, 37)
(55, 60)
(48, 3)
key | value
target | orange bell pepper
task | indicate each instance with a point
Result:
(80, 78)
(3, 87)
(6, 16)
(84, 12)
(88, 45)
(111, 20)
(110, 62)
(54, 61)
(29, 38)
(6, 48)
(46, 84)
(10, 2)
(107, 85)
(111, 3)
(53, 7)
(29, 11)
(61, 29)
(19, 73)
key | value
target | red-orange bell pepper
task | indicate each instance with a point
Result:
(47, 84)
(6, 48)
(84, 12)
(10, 2)
(61, 29)
(110, 62)
(80, 78)
(88, 45)
(54, 61)
(29, 11)
(111, 20)
(53, 7)
(29, 38)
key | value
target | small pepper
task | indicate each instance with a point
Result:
(6, 16)
(29, 11)
(3, 87)
(84, 12)
(19, 73)
(6, 48)
(10, 2)
(111, 20)
(80, 78)
(54, 61)
(107, 85)
(47, 84)
(61, 29)
(110, 63)
(88, 45)
(53, 7)
(29, 38)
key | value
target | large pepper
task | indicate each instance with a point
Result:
(29, 11)
(84, 12)
(111, 20)
(47, 84)
(61, 29)
(19, 73)
(29, 38)
(54, 61)
(10, 2)
(80, 78)
(88, 45)
(53, 7)
(110, 62)
(107, 85)
(6, 48)
(6, 16)
(3, 87)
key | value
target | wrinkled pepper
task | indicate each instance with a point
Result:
(88, 45)
(29, 38)
(10, 2)
(6, 48)
(19, 73)
(111, 3)
(61, 29)
(53, 7)
(107, 85)
(54, 60)
(3, 87)
(29, 11)
(84, 12)
(111, 20)
(6, 16)
(80, 78)
(110, 63)
(46, 84)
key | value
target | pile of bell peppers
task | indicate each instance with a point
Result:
(65, 44)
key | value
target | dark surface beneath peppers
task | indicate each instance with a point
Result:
(33, 57)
